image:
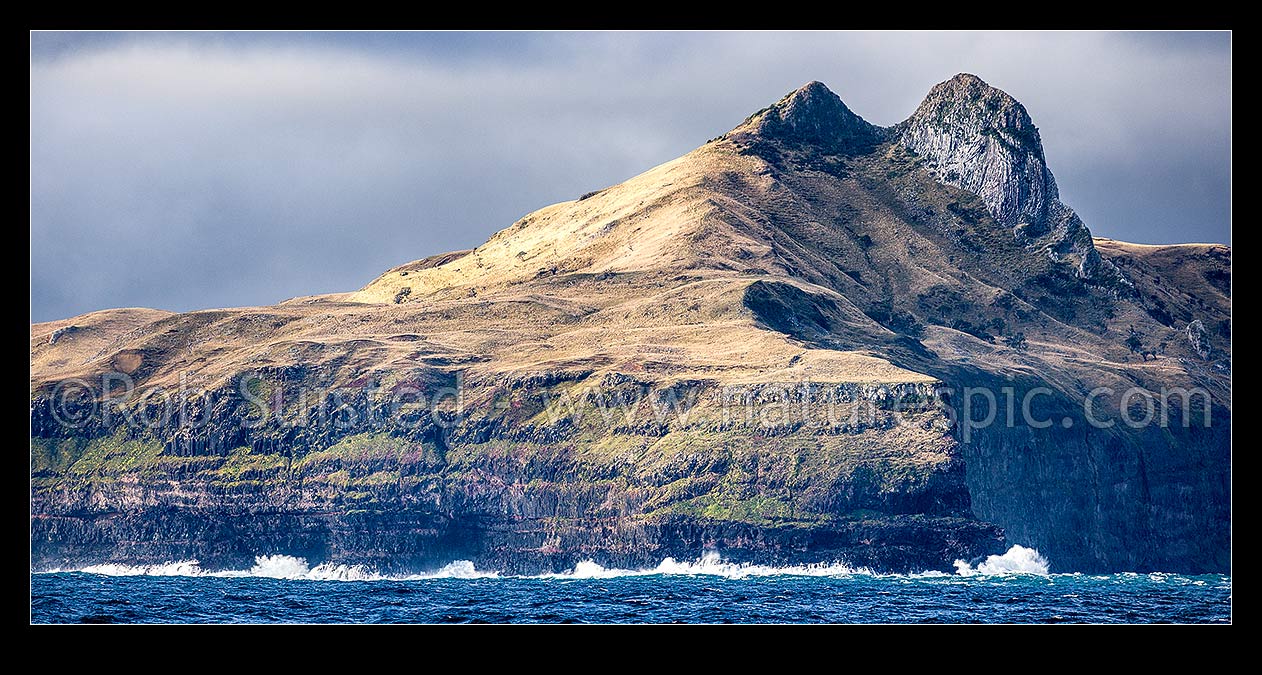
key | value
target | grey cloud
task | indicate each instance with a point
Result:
(188, 171)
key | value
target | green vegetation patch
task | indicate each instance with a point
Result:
(114, 456)
(363, 454)
(243, 463)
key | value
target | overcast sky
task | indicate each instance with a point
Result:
(203, 170)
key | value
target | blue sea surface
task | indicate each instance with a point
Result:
(85, 597)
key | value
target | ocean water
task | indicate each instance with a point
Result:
(1012, 588)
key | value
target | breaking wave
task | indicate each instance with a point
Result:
(709, 564)
(186, 568)
(281, 567)
(290, 567)
(1018, 560)
(270, 567)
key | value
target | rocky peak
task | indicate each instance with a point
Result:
(982, 140)
(813, 116)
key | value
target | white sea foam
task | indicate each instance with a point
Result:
(709, 564)
(184, 568)
(279, 567)
(712, 564)
(460, 569)
(272, 567)
(290, 567)
(1017, 560)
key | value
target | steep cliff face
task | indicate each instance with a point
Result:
(533, 489)
(765, 347)
(981, 139)
(1143, 499)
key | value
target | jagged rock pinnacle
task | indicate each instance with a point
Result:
(979, 138)
(983, 140)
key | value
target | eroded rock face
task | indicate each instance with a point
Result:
(1198, 340)
(516, 495)
(980, 139)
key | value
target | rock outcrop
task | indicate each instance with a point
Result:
(979, 138)
(1198, 339)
